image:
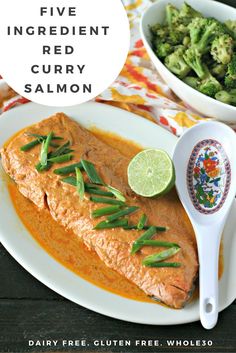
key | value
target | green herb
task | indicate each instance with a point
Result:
(165, 264)
(40, 168)
(142, 222)
(121, 213)
(69, 169)
(43, 137)
(61, 150)
(44, 150)
(163, 255)
(79, 183)
(135, 227)
(145, 236)
(164, 244)
(105, 211)
(30, 145)
(61, 159)
(91, 172)
(98, 191)
(106, 200)
(116, 224)
(116, 193)
(70, 180)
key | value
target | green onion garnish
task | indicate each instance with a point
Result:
(121, 213)
(40, 168)
(106, 200)
(135, 227)
(91, 172)
(116, 224)
(44, 150)
(30, 145)
(165, 264)
(79, 183)
(142, 222)
(105, 211)
(116, 193)
(164, 244)
(43, 137)
(61, 150)
(145, 236)
(61, 159)
(98, 191)
(163, 255)
(70, 180)
(69, 169)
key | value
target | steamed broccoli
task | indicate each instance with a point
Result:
(188, 13)
(163, 49)
(219, 70)
(230, 78)
(202, 32)
(227, 97)
(222, 49)
(192, 81)
(176, 63)
(172, 16)
(193, 59)
(159, 31)
(209, 86)
(231, 26)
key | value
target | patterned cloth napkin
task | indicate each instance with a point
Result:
(138, 89)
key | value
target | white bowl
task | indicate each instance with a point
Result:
(201, 103)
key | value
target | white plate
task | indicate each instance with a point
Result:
(35, 260)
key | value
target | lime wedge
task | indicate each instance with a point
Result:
(151, 173)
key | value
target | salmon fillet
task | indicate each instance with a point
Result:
(172, 286)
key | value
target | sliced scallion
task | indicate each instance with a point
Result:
(116, 193)
(142, 222)
(30, 145)
(121, 213)
(61, 159)
(165, 264)
(145, 236)
(160, 243)
(44, 150)
(91, 172)
(68, 169)
(79, 183)
(120, 223)
(163, 255)
(70, 180)
(105, 211)
(106, 201)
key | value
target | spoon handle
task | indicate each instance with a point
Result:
(208, 252)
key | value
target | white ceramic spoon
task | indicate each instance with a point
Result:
(205, 164)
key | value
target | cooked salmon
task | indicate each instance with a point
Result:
(172, 286)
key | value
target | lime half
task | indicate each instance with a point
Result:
(151, 173)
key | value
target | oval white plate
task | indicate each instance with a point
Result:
(35, 260)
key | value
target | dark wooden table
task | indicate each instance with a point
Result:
(31, 311)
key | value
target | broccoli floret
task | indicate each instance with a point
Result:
(187, 12)
(191, 81)
(222, 49)
(209, 86)
(193, 59)
(226, 97)
(160, 31)
(163, 49)
(219, 70)
(202, 32)
(230, 78)
(172, 16)
(175, 63)
(186, 41)
(231, 26)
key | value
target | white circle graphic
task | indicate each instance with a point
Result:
(60, 52)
